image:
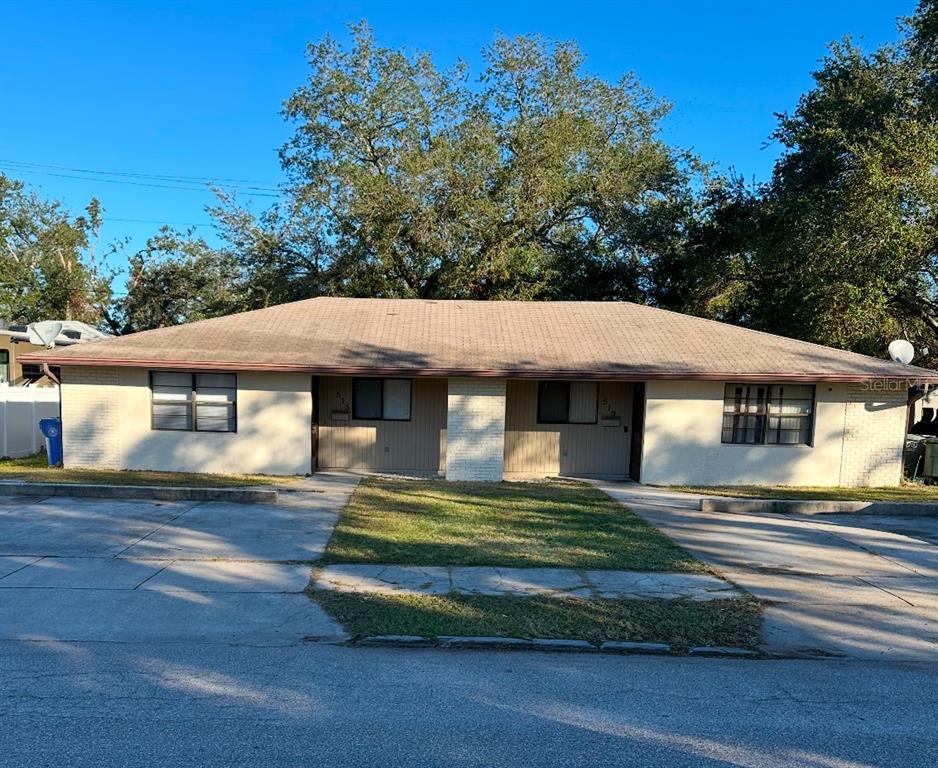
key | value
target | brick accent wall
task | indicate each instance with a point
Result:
(475, 429)
(91, 417)
(873, 439)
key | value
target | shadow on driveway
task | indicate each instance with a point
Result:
(841, 585)
(94, 569)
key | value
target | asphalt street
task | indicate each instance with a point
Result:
(118, 704)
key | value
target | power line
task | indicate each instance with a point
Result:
(254, 191)
(158, 221)
(268, 185)
(142, 183)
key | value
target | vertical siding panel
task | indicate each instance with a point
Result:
(551, 449)
(360, 444)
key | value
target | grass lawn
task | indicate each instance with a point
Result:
(906, 492)
(683, 624)
(35, 469)
(549, 524)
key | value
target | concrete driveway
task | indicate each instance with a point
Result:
(855, 586)
(92, 569)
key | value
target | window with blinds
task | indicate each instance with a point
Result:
(768, 414)
(381, 399)
(567, 402)
(195, 402)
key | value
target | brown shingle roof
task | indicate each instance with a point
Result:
(533, 339)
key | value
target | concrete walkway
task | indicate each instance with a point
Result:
(543, 582)
(856, 586)
(121, 570)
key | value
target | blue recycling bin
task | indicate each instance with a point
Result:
(52, 431)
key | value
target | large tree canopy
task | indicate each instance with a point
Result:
(841, 246)
(177, 278)
(533, 180)
(48, 266)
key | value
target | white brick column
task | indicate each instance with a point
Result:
(475, 429)
(91, 428)
(874, 434)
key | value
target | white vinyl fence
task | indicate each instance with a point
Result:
(20, 411)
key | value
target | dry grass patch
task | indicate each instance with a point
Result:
(905, 492)
(35, 469)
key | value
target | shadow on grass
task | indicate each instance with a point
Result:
(500, 524)
(681, 623)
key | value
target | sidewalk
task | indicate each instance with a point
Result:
(851, 586)
(542, 582)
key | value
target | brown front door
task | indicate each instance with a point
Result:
(638, 431)
(314, 426)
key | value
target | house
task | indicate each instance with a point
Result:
(14, 342)
(481, 391)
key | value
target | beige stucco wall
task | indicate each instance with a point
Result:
(106, 423)
(858, 435)
(14, 350)
(568, 449)
(418, 445)
(858, 439)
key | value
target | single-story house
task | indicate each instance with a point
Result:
(484, 390)
(14, 344)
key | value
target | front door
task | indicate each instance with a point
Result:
(638, 431)
(314, 426)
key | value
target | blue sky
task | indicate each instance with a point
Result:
(193, 89)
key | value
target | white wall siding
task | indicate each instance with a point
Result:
(475, 429)
(106, 423)
(857, 440)
(874, 434)
(858, 433)
(91, 422)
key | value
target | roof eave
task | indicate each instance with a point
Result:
(511, 373)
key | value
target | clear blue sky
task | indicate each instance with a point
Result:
(194, 88)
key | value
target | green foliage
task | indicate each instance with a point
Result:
(535, 181)
(176, 279)
(48, 266)
(840, 246)
(282, 254)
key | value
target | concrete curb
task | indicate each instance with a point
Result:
(144, 492)
(618, 646)
(708, 650)
(398, 641)
(484, 642)
(817, 507)
(613, 647)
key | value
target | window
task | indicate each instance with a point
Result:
(4, 366)
(567, 402)
(768, 414)
(381, 399)
(203, 402)
(33, 373)
(215, 398)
